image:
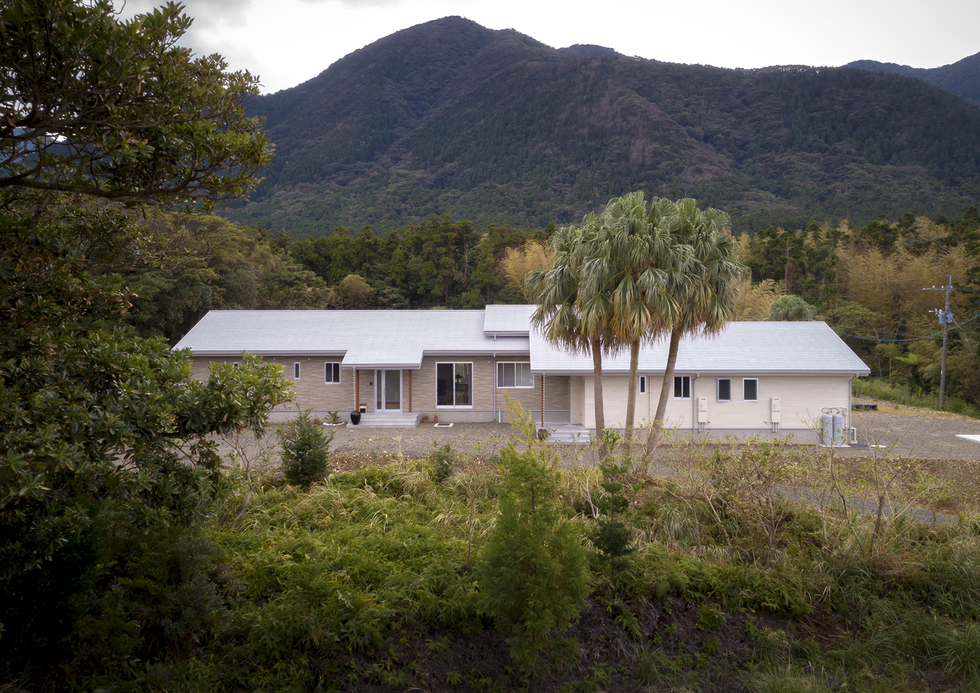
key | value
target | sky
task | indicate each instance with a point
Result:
(286, 42)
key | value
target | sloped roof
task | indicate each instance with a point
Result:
(742, 348)
(400, 338)
(507, 321)
(365, 338)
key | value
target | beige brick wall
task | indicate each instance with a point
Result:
(310, 391)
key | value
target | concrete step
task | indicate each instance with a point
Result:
(569, 434)
(387, 420)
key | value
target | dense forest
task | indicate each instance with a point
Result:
(492, 126)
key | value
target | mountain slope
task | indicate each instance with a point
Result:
(961, 77)
(495, 127)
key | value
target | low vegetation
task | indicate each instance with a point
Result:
(757, 567)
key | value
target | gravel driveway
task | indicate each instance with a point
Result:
(899, 431)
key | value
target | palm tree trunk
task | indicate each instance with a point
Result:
(631, 392)
(665, 389)
(600, 418)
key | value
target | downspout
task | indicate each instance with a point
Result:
(694, 404)
(494, 362)
(542, 400)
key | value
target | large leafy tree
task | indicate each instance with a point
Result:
(93, 105)
(103, 434)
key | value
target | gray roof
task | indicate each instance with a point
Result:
(400, 338)
(742, 348)
(364, 338)
(504, 321)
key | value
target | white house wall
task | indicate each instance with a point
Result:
(802, 401)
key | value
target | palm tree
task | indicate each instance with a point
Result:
(565, 315)
(627, 272)
(706, 291)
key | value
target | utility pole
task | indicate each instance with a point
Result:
(945, 319)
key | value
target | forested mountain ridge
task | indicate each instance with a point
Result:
(961, 77)
(492, 126)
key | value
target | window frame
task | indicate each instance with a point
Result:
(454, 364)
(683, 380)
(332, 366)
(296, 370)
(526, 365)
(718, 383)
(750, 380)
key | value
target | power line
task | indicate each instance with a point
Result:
(934, 335)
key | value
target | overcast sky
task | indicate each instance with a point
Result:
(286, 42)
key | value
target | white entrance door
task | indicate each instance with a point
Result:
(388, 390)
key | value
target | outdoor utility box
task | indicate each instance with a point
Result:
(702, 410)
(775, 410)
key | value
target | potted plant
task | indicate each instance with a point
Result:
(435, 418)
(425, 418)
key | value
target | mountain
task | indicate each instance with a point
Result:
(962, 77)
(449, 117)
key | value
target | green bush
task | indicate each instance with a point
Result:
(305, 451)
(443, 460)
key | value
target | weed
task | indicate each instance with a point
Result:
(709, 616)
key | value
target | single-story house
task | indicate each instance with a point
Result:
(754, 378)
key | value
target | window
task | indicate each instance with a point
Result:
(643, 385)
(454, 384)
(331, 373)
(724, 389)
(514, 375)
(682, 387)
(296, 370)
(234, 364)
(750, 390)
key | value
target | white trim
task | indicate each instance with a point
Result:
(746, 380)
(296, 370)
(682, 378)
(332, 365)
(718, 383)
(526, 370)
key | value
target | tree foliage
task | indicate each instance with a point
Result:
(305, 450)
(104, 434)
(115, 109)
(532, 571)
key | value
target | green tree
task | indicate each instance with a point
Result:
(705, 289)
(568, 316)
(629, 262)
(791, 308)
(532, 571)
(305, 450)
(103, 434)
(117, 110)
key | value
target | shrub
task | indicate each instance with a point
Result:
(532, 570)
(443, 461)
(305, 451)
